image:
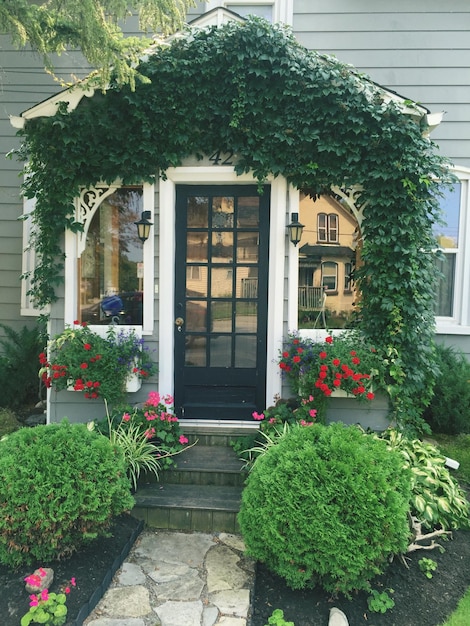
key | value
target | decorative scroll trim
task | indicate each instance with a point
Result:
(86, 205)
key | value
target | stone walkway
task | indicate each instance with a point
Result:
(179, 579)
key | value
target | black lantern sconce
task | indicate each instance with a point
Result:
(295, 229)
(143, 226)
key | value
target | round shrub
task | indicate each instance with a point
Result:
(60, 486)
(327, 505)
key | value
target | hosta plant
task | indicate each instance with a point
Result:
(437, 500)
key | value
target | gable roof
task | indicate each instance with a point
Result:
(218, 17)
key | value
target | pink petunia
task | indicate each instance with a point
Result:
(258, 416)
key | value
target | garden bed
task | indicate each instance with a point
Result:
(93, 568)
(418, 600)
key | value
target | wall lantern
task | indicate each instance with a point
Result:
(295, 229)
(143, 226)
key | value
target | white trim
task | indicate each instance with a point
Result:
(459, 323)
(283, 10)
(167, 193)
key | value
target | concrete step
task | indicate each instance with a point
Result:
(203, 508)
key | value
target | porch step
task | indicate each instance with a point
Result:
(203, 493)
(203, 508)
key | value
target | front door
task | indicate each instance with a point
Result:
(221, 301)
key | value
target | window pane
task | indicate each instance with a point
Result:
(248, 212)
(448, 234)
(111, 266)
(198, 212)
(245, 351)
(221, 316)
(221, 348)
(445, 286)
(329, 276)
(221, 286)
(261, 10)
(246, 319)
(332, 227)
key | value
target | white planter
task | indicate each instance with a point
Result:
(133, 383)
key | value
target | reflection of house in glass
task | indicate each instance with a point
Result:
(327, 257)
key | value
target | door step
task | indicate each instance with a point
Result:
(202, 493)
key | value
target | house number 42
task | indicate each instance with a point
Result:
(221, 158)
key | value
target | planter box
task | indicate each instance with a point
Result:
(374, 414)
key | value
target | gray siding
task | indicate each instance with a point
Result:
(420, 49)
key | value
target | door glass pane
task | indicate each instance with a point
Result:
(196, 316)
(222, 212)
(220, 351)
(247, 282)
(221, 284)
(195, 353)
(245, 351)
(222, 247)
(221, 316)
(196, 281)
(198, 212)
(246, 317)
(248, 212)
(111, 266)
(247, 247)
(196, 246)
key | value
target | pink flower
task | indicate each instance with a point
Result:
(34, 600)
(258, 416)
(73, 582)
(153, 398)
(313, 412)
(183, 439)
(149, 433)
(126, 417)
(45, 595)
(168, 400)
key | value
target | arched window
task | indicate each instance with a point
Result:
(111, 265)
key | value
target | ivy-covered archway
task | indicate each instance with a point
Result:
(251, 89)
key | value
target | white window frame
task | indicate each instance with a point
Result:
(283, 10)
(459, 323)
(74, 245)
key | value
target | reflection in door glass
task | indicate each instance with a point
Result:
(196, 316)
(245, 351)
(198, 212)
(195, 353)
(246, 319)
(222, 247)
(196, 247)
(220, 355)
(221, 283)
(248, 212)
(247, 247)
(247, 282)
(221, 316)
(222, 212)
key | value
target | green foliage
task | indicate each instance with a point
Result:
(461, 614)
(380, 602)
(154, 420)
(449, 409)
(328, 506)
(436, 499)
(60, 486)
(8, 422)
(50, 610)
(277, 619)
(95, 365)
(18, 365)
(427, 566)
(251, 89)
(457, 448)
(94, 27)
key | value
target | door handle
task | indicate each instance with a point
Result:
(179, 321)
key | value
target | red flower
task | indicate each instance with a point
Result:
(296, 359)
(87, 346)
(370, 396)
(356, 360)
(337, 382)
(336, 362)
(322, 355)
(76, 322)
(285, 354)
(83, 366)
(329, 339)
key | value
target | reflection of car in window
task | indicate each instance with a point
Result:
(124, 308)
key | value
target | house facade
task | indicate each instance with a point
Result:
(217, 285)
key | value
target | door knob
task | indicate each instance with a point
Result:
(179, 321)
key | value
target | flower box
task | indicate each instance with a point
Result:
(373, 414)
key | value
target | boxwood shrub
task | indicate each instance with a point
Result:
(327, 505)
(60, 486)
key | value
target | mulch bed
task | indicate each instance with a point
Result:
(93, 568)
(419, 601)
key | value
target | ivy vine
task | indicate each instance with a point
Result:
(253, 90)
